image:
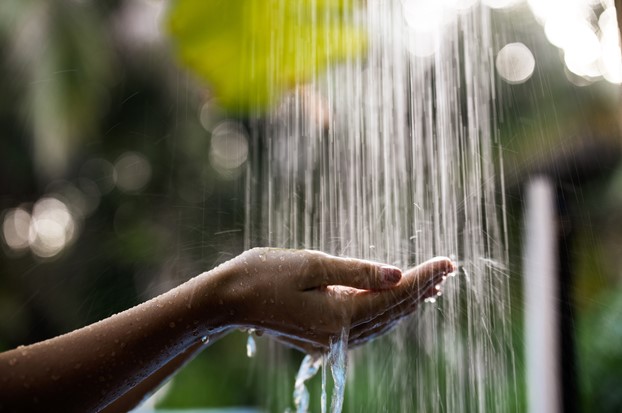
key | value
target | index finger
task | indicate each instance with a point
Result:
(324, 270)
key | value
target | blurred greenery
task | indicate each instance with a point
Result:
(250, 51)
(82, 86)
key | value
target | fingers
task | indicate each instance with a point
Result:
(359, 336)
(417, 284)
(324, 269)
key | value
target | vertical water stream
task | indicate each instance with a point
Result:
(391, 156)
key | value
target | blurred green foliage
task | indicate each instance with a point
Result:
(251, 51)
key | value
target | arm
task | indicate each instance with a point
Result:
(286, 293)
(137, 394)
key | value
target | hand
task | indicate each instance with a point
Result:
(305, 298)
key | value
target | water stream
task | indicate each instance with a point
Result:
(392, 156)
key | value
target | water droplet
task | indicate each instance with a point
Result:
(431, 300)
(262, 257)
(205, 339)
(251, 346)
(12, 362)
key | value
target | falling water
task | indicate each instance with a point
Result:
(392, 156)
(308, 368)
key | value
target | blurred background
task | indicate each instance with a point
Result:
(120, 177)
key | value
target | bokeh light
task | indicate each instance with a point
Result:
(52, 227)
(133, 171)
(47, 231)
(228, 148)
(501, 4)
(587, 32)
(423, 15)
(515, 63)
(16, 228)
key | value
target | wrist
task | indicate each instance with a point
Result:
(210, 300)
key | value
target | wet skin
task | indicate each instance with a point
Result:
(303, 298)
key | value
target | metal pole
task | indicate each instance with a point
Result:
(541, 298)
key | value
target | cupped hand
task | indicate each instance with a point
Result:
(305, 298)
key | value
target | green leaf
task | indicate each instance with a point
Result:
(250, 51)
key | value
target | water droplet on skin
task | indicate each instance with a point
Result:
(262, 257)
(282, 258)
(204, 339)
(12, 362)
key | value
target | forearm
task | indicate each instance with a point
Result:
(87, 369)
(145, 388)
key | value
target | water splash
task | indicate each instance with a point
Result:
(251, 345)
(308, 368)
(323, 396)
(338, 360)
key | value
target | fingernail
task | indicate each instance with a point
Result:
(391, 275)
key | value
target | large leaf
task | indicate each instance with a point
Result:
(249, 51)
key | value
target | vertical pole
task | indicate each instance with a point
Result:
(541, 298)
